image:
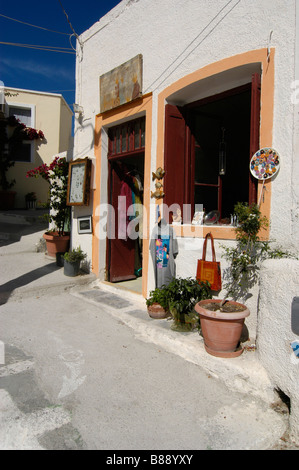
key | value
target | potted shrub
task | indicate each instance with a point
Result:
(30, 199)
(246, 257)
(183, 295)
(158, 303)
(72, 260)
(222, 320)
(58, 236)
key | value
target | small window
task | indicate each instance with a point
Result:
(23, 114)
(21, 152)
(127, 138)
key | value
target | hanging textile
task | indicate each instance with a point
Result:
(163, 249)
(126, 209)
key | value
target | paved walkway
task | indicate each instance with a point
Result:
(25, 271)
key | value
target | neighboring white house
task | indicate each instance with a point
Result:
(49, 113)
(159, 85)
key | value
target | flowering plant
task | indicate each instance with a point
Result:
(26, 133)
(57, 175)
(10, 143)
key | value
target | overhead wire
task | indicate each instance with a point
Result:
(33, 25)
(71, 26)
(185, 51)
(64, 50)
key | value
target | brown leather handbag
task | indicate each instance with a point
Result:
(209, 271)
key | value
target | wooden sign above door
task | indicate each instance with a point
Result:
(121, 85)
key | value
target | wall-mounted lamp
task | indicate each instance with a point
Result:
(78, 109)
(222, 154)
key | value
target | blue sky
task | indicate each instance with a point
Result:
(34, 69)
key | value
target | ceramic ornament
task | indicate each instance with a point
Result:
(265, 163)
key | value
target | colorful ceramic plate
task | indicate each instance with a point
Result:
(265, 163)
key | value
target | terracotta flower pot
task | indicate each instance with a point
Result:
(56, 243)
(157, 311)
(222, 330)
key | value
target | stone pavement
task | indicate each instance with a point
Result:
(25, 271)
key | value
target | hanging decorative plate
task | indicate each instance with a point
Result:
(265, 163)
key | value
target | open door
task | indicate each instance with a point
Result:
(124, 249)
(126, 144)
(121, 249)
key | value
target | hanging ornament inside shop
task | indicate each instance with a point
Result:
(222, 154)
(158, 175)
(264, 164)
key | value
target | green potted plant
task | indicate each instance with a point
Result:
(183, 295)
(158, 303)
(58, 236)
(30, 199)
(222, 320)
(72, 260)
(246, 257)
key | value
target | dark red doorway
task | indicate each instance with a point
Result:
(124, 257)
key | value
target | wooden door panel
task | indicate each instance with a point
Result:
(174, 156)
(121, 254)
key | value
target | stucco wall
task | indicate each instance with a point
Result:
(177, 39)
(278, 287)
(295, 99)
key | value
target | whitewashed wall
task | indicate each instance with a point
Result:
(177, 38)
(279, 285)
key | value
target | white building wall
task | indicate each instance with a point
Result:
(177, 38)
(295, 101)
(279, 285)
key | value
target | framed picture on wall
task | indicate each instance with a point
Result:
(79, 182)
(84, 224)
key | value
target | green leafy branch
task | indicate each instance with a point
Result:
(247, 256)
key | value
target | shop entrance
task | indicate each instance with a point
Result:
(208, 146)
(125, 193)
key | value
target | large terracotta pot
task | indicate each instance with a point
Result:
(56, 243)
(222, 330)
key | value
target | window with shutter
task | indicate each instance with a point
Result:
(127, 138)
(208, 146)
